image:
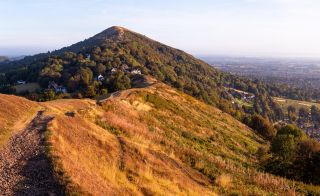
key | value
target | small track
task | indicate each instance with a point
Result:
(24, 166)
(122, 163)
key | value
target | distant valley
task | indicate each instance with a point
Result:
(298, 78)
(3, 59)
(303, 74)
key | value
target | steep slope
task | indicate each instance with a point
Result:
(15, 112)
(156, 140)
(117, 53)
(152, 140)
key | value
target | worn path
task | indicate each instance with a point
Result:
(24, 166)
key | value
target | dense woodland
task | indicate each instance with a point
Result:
(114, 55)
(117, 55)
(304, 89)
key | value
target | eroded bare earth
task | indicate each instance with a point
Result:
(24, 166)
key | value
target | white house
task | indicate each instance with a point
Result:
(57, 88)
(136, 71)
(61, 89)
(21, 82)
(100, 77)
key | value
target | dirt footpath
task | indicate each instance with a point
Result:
(24, 166)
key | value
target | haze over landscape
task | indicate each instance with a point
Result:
(280, 28)
(151, 98)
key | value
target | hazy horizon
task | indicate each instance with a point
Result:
(245, 28)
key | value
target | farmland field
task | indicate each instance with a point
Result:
(285, 103)
(30, 87)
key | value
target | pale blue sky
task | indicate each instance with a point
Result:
(201, 27)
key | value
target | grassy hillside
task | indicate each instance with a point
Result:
(152, 140)
(156, 140)
(15, 112)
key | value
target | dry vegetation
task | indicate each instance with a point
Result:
(15, 112)
(158, 141)
(152, 141)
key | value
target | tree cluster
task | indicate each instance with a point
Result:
(294, 155)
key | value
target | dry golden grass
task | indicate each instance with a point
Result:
(124, 154)
(15, 113)
(157, 141)
(152, 141)
(88, 154)
(224, 180)
(93, 158)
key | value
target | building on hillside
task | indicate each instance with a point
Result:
(100, 77)
(19, 82)
(124, 67)
(61, 89)
(136, 71)
(52, 85)
(57, 88)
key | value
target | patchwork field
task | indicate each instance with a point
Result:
(285, 103)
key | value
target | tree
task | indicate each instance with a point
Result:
(7, 90)
(292, 113)
(85, 76)
(100, 69)
(49, 95)
(315, 115)
(283, 147)
(120, 81)
(306, 164)
(292, 130)
(290, 149)
(303, 113)
(315, 169)
(90, 91)
(262, 126)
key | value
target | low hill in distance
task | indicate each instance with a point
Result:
(3, 59)
(153, 140)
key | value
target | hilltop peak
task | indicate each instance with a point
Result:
(114, 31)
(117, 29)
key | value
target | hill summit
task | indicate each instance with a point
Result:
(157, 122)
(112, 31)
(120, 57)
